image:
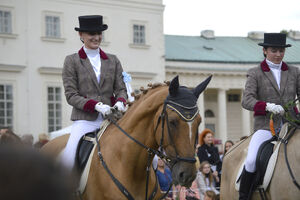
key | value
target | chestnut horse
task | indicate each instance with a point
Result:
(281, 186)
(165, 117)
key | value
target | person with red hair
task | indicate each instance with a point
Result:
(208, 152)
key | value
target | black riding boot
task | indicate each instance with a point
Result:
(245, 185)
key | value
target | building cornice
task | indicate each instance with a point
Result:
(11, 68)
(142, 75)
(220, 62)
(207, 68)
(129, 4)
(50, 70)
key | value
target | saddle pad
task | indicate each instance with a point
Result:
(271, 163)
(85, 173)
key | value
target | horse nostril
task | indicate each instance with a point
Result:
(181, 175)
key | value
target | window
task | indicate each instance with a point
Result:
(139, 34)
(52, 25)
(209, 113)
(54, 109)
(233, 98)
(5, 21)
(6, 106)
(211, 127)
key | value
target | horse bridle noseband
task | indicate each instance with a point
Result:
(171, 161)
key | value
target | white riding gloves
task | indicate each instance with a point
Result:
(120, 106)
(104, 109)
(276, 109)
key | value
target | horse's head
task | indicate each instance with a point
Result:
(179, 119)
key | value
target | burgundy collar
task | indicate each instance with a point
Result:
(266, 68)
(83, 55)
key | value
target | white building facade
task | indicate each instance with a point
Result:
(35, 37)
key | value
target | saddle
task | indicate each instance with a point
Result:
(84, 149)
(265, 162)
(84, 154)
(264, 154)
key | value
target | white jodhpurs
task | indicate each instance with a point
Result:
(257, 139)
(79, 128)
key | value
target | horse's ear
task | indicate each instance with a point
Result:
(174, 85)
(201, 87)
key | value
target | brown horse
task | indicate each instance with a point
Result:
(175, 107)
(281, 186)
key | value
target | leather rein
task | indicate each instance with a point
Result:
(171, 161)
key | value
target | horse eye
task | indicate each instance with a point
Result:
(173, 122)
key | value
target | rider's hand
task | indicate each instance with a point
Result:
(276, 109)
(104, 109)
(120, 106)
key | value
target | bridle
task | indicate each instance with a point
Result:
(171, 161)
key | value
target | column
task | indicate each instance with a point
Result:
(222, 113)
(200, 104)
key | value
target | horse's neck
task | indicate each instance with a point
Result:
(134, 153)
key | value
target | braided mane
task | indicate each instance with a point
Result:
(144, 91)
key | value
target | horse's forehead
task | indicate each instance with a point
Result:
(194, 122)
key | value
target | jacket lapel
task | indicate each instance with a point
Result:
(104, 70)
(104, 67)
(269, 75)
(87, 64)
(284, 77)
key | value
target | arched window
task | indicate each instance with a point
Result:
(209, 113)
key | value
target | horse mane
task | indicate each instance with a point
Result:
(144, 91)
(146, 101)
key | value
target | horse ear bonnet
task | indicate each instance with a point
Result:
(184, 100)
(201, 87)
(174, 85)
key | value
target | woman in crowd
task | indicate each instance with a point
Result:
(164, 177)
(206, 179)
(228, 144)
(208, 152)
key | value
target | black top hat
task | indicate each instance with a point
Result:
(91, 23)
(274, 40)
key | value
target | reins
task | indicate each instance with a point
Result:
(285, 142)
(292, 117)
(170, 161)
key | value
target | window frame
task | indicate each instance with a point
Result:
(12, 34)
(146, 32)
(54, 102)
(11, 125)
(44, 36)
(233, 97)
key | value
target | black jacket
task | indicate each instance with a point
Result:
(210, 154)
